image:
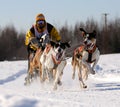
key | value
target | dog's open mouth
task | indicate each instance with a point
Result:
(59, 56)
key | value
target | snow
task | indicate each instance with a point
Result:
(103, 87)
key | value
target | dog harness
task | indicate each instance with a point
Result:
(90, 52)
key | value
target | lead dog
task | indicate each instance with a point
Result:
(86, 57)
(91, 53)
(53, 59)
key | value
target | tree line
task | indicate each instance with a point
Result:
(12, 45)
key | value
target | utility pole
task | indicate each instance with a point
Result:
(105, 39)
(105, 17)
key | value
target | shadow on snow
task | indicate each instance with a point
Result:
(12, 77)
(107, 86)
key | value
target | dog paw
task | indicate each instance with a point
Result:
(93, 72)
(73, 76)
(27, 82)
(42, 80)
(55, 88)
(84, 86)
(59, 82)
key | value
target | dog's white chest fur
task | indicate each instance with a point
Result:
(47, 60)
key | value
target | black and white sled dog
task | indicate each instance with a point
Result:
(91, 53)
(53, 62)
(86, 56)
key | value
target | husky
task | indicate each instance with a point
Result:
(53, 62)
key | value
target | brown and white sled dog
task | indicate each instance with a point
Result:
(86, 57)
(35, 66)
(53, 62)
(78, 65)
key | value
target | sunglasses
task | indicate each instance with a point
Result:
(41, 22)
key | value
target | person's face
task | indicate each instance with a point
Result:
(41, 24)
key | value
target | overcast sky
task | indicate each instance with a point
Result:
(22, 13)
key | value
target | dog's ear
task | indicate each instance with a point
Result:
(67, 44)
(94, 32)
(52, 43)
(82, 30)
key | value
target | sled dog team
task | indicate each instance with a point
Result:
(49, 62)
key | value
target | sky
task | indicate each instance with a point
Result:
(103, 88)
(22, 13)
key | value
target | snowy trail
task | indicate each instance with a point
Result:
(103, 87)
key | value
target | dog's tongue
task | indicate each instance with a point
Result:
(58, 56)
